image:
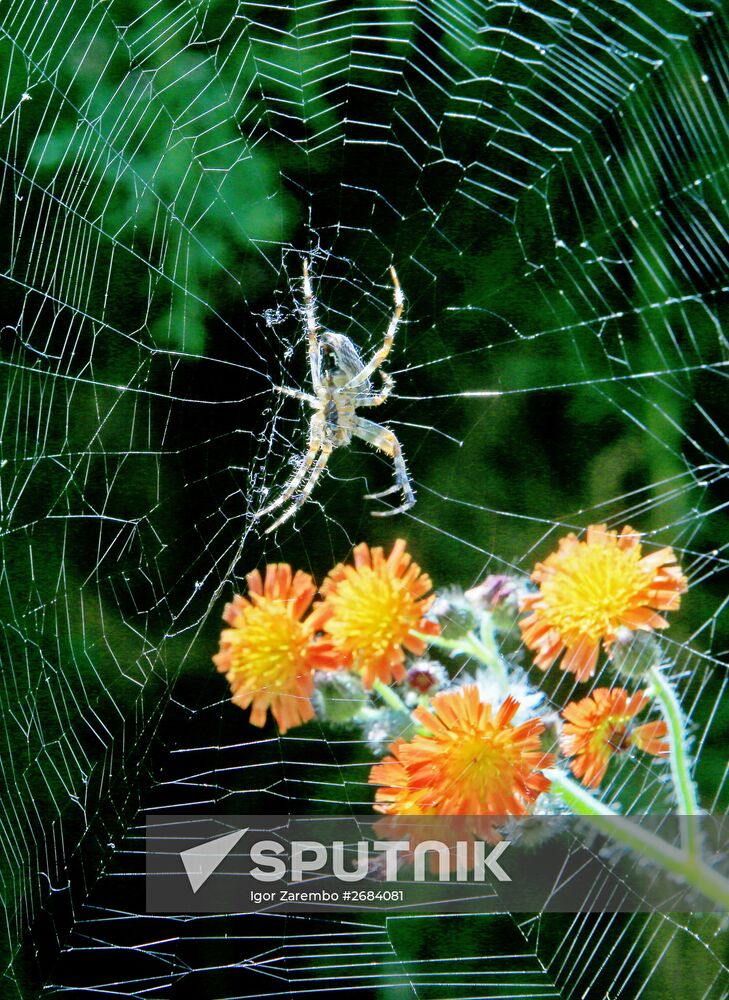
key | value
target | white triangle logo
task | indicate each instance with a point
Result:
(201, 861)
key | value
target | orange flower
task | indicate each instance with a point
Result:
(588, 589)
(269, 654)
(370, 610)
(600, 725)
(472, 762)
(397, 796)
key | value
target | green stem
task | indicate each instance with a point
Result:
(492, 655)
(451, 645)
(683, 783)
(482, 648)
(681, 862)
(393, 700)
(390, 697)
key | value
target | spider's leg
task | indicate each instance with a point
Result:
(311, 328)
(305, 396)
(395, 488)
(301, 499)
(378, 398)
(376, 360)
(315, 445)
(382, 438)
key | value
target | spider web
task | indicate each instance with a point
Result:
(551, 183)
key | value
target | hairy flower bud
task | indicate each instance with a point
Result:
(338, 696)
(635, 653)
(500, 594)
(425, 676)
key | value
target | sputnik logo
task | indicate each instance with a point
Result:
(201, 861)
(312, 856)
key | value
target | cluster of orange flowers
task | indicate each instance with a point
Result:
(587, 591)
(469, 757)
(364, 622)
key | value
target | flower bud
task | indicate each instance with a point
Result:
(338, 696)
(425, 676)
(455, 615)
(500, 594)
(633, 654)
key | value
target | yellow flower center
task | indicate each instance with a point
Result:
(481, 762)
(371, 612)
(479, 768)
(270, 647)
(612, 734)
(590, 588)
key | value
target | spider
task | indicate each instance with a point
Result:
(337, 394)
